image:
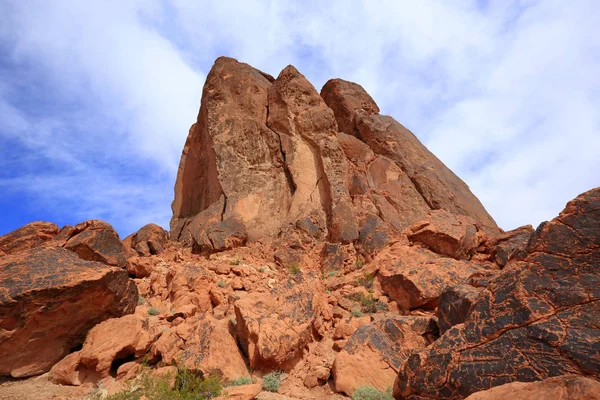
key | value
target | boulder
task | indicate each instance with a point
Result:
(96, 240)
(454, 304)
(49, 300)
(27, 237)
(566, 387)
(242, 392)
(418, 276)
(452, 235)
(202, 344)
(537, 318)
(511, 245)
(151, 239)
(374, 353)
(274, 327)
(108, 342)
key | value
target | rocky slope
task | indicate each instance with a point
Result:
(314, 237)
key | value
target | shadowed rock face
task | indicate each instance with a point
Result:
(27, 237)
(269, 156)
(537, 319)
(49, 299)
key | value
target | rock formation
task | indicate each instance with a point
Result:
(316, 249)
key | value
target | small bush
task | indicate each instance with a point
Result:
(332, 273)
(189, 385)
(153, 311)
(261, 269)
(294, 268)
(357, 313)
(366, 280)
(360, 262)
(221, 283)
(242, 380)
(234, 262)
(141, 300)
(272, 381)
(368, 304)
(369, 393)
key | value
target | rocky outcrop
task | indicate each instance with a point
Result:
(27, 237)
(268, 156)
(358, 114)
(375, 352)
(49, 299)
(454, 305)
(511, 245)
(568, 387)
(535, 320)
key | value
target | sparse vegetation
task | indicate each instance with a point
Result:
(153, 311)
(221, 283)
(141, 300)
(332, 273)
(369, 393)
(368, 304)
(360, 262)
(189, 385)
(294, 268)
(357, 313)
(366, 280)
(272, 381)
(235, 261)
(261, 269)
(242, 380)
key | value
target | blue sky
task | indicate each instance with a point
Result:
(96, 97)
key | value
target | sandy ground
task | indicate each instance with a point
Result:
(40, 388)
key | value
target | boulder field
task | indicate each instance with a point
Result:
(317, 239)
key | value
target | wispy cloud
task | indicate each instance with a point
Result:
(96, 97)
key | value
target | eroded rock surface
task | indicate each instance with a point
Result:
(27, 237)
(95, 240)
(49, 299)
(537, 319)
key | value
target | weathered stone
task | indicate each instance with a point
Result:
(418, 277)
(202, 344)
(230, 152)
(536, 320)
(456, 236)
(564, 387)
(151, 239)
(49, 299)
(27, 237)
(454, 304)
(511, 245)
(96, 240)
(375, 352)
(274, 327)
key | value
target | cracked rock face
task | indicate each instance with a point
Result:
(268, 155)
(537, 319)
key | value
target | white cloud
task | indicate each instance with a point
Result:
(505, 93)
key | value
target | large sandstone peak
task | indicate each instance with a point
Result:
(267, 156)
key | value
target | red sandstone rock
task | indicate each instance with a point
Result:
(537, 319)
(375, 352)
(511, 245)
(564, 387)
(203, 344)
(243, 392)
(96, 241)
(49, 299)
(149, 240)
(27, 237)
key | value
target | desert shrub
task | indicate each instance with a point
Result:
(153, 311)
(189, 385)
(242, 380)
(332, 273)
(366, 280)
(221, 283)
(294, 268)
(235, 262)
(261, 269)
(357, 313)
(272, 381)
(360, 262)
(368, 304)
(141, 300)
(369, 393)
